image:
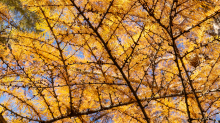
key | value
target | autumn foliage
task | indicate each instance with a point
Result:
(119, 61)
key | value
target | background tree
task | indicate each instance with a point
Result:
(14, 14)
(113, 61)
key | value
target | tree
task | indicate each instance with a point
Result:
(15, 15)
(113, 61)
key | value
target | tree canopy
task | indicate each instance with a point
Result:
(122, 61)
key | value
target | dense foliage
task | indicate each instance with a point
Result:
(110, 61)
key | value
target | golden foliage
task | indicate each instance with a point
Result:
(111, 61)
